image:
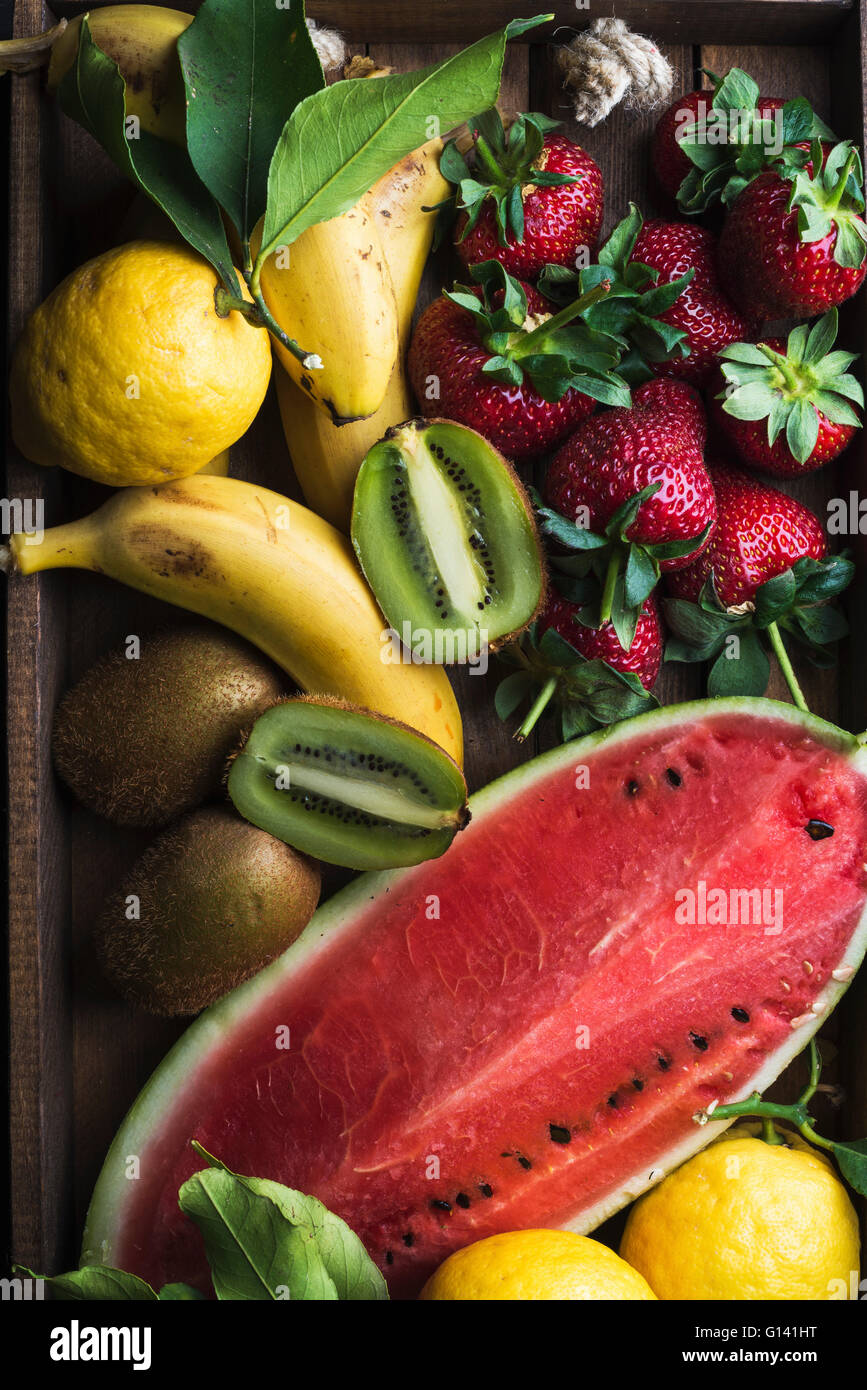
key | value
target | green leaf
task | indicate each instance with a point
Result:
(179, 1293)
(802, 430)
(737, 92)
(355, 1276)
(246, 64)
(254, 1252)
(640, 577)
(851, 1156)
(820, 341)
(511, 691)
(746, 673)
(99, 1283)
(340, 141)
(750, 402)
(774, 598)
(618, 248)
(820, 580)
(92, 93)
(560, 528)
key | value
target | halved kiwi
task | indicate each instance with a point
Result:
(348, 786)
(445, 534)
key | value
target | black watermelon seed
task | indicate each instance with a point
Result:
(409, 1238)
(560, 1134)
(700, 1042)
(507, 1154)
(389, 1257)
(524, 1162)
(462, 1200)
(818, 829)
(632, 788)
(664, 1063)
(674, 777)
(741, 1015)
(612, 1101)
(638, 1083)
(439, 1205)
(486, 1189)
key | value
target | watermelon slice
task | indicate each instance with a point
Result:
(519, 1034)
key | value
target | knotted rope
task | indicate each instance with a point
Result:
(606, 63)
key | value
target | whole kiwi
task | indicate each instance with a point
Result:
(210, 902)
(142, 738)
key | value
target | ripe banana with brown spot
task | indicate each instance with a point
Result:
(332, 291)
(269, 569)
(142, 40)
(326, 458)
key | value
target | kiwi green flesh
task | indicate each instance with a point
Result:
(445, 535)
(347, 786)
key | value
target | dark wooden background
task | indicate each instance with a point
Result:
(79, 1056)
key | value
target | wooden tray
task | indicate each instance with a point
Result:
(78, 1057)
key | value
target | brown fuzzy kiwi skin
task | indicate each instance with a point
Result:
(218, 900)
(335, 702)
(419, 423)
(141, 741)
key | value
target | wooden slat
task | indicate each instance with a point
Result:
(40, 1054)
(669, 21)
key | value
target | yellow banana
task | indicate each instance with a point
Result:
(267, 568)
(142, 40)
(331, 291)
(326, 458)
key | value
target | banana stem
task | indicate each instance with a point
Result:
(786, 667)
(537, 708)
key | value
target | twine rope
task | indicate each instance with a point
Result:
(606, 63)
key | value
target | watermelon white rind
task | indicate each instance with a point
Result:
(177, 1099)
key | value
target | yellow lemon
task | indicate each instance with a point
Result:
(532, 1266)
(126, 374)
(746, 1220)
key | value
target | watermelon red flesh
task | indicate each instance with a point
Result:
(439, 1086)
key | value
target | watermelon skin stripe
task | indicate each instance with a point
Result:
(358, 1172)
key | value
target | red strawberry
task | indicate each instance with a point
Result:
(793, 244)
(664, 299)
(708, 320)
(670, 165)
(483, 358)
(765, 573)
(531, 198)
(619, 453)
(676, 403)
(644, 657)
(583, 670)
(787, 406)
(760, 532)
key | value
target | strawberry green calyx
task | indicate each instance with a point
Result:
(738, 138)
(558, 352)
(626, 571)
(504, 166)
(832, 198)
(589, 693)
(795, 602)
(790, 389)
(629, 311)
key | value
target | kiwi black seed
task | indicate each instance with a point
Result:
(446, 536)
(141, 739)
(210, 902)
(348, 786)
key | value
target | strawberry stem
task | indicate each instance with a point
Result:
(786, 667)
(537, 708)
(532, 342)
(783, 366)
(608, 588)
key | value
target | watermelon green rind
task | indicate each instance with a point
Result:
(106, 1215)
